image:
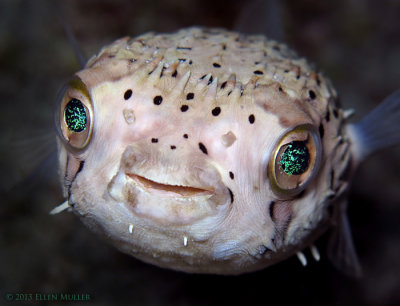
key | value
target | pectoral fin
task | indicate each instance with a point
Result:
(341, 250)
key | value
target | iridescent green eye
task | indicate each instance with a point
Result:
(295, 159)
(75, 116)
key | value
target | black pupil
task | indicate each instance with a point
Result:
(296, 158)
(75, 116)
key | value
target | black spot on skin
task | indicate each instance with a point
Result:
(157, 100)
(202, 78)
(321, 130)
(210, 80)
(280, 89)
(190, 62)
(231, 175)
(252, 118)
(223, 47)
(203, 148)
(182, 60)
(231, 194)
(184, 108)
(258, 72)
(216, 65)
(173, 147)
(127, 94)
(154, 140)
(190, 96)
(216, 111)
(312, 94)
(185, 136)
(223, 85)
(183, 48)
(175, 74)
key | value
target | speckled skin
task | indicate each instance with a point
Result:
(207, 111)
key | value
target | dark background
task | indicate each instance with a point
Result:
(356, 43)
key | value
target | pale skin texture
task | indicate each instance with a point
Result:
(178, 174)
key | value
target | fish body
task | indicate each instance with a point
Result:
(206, 150)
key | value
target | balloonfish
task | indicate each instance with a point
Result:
(210, 151)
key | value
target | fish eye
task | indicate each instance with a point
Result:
(75, 116)
(74, 119)
(295, 161)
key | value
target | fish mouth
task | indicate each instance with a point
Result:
(168, 193)
(164, 203)
(167, 189)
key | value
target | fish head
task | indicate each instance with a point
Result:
(202, 151)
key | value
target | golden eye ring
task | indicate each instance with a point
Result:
(295, 161)
(75, 116)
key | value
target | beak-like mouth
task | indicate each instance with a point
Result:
(168, 190)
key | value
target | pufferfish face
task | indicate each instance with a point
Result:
(202, 151)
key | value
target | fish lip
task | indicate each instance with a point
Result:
(169, 190)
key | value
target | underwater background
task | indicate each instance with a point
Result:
(356, 43)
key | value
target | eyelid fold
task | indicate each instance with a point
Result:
(285, 185)
(74, 90)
